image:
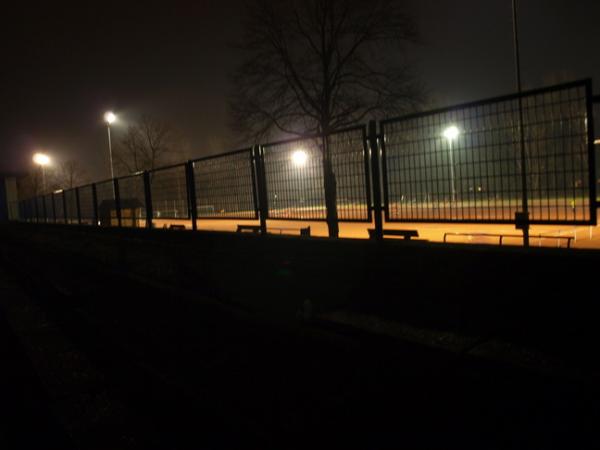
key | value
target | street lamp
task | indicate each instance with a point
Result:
(110, 118)
(42, 160)
(450, 134)
(299, 158)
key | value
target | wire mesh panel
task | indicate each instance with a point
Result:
(107, 209)
(464, 164)
(49, 208)
(132, 200)
(59, 206)
(225, 186)
(169, 193)
(86, 204)
(39, 205)
(349, 158)
(71, 202)
(294, 179)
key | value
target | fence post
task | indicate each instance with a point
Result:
(330, 186)
(191, 188)
(117, 201)
(78, 206)
(148, 199)
(376, 177)
(261, 182)
(592, 152)
(94, 205)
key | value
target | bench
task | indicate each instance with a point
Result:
(176, 227)
(406, 234)
(256, 229)
(252, 228)
(303, 231)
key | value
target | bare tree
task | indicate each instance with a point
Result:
(70, 174)
(315, 66)
(148, 145)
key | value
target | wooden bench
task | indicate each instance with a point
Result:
(252, 228)
(176, 227)
(256, 229)
(406, 234)
(303, 231)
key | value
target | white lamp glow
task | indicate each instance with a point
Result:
(299, 158)
(451, 133)
(110, 117)
(41, 159)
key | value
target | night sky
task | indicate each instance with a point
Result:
(63, 66)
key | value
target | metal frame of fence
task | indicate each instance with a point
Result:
(458, 215)
(316, 181)
(200, 190)
(246, 184)
(185, 202)
(126, 200)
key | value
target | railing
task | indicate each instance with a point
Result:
(501, 237)
(454, 165)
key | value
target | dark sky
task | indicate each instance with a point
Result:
(64, 65)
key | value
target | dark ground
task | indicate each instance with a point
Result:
(101, 351)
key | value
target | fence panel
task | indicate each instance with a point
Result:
(132, 200)
(294, 176)
(225, 186)
(39, 204)
(86, 205)
(71, 202)
(294, 179)
(463, 164)
(350, 161)
(107, 209)
(49, 208)
(169, 193)
(59, 206)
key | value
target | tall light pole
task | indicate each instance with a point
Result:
(451, 133)
(42, 160)
(110, 118)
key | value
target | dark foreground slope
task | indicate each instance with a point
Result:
(196, 339)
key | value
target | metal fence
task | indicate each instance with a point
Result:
(225, 186)
(87, 205)
(132, 200)
(464, 164)
(483, 162)
(168, 187)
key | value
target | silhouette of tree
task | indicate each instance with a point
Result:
(70, 174)
(316, 66)
(147, 145)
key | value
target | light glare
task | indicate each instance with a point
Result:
(299, 158)
(41, 159)
(451, 133)
(110, 117)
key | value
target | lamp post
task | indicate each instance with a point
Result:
(110, 118)
(42, 160)
(451, 133)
